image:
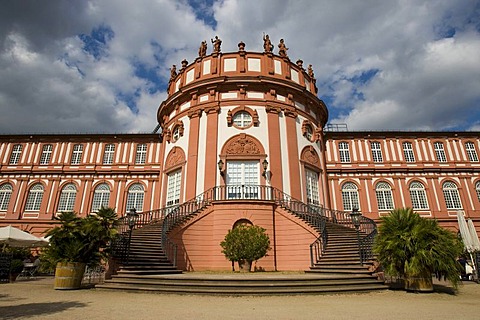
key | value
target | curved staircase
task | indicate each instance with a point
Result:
(336, 268)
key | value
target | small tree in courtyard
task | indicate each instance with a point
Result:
(245, 244)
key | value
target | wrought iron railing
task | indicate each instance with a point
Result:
(315, 215)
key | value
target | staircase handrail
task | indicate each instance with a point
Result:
(314, 214)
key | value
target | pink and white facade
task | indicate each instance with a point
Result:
(242, 124)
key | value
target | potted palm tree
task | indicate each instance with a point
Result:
(415, 248)
(245, 244)
(78, 242)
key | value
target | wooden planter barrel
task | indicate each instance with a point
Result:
(69, 275)
(419, 284)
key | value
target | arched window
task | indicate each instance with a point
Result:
(34, 198)
(101, 197)
(477, 188)
(384, 196)
(67, 198)
(418, 196)
(350, 196)
(5, 195)
(452, 198)
(135, 197)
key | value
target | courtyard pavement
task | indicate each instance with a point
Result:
(36, 299)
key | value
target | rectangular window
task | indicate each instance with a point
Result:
(141, 155)
(440, 152)
(16, 153)
(242, 179)
(46, 154)
(471, 152)
(312, 187)
(344, 152)
(77, 154)
(408, 152)
(173, 187)
(376, 152)
(108, 154)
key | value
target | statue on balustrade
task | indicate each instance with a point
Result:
(282, 49)
(173, 73)
(267, 44)
(216, 44)
(202, 51)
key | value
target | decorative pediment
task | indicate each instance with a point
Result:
(310, 156)
(175, 158)
(243, 144)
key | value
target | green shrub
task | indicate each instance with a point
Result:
(16, 266)
(412, 246)
(83, 240)
(245, 243)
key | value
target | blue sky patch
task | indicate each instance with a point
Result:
(203, 10)
(96, 43)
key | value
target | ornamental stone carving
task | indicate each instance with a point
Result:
(242, 145)
(309, 155)
(175, 158)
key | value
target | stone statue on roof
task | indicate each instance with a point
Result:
(202, 51)
(310, 72)
(267, 44)
(282, 49)
(173, 73)
(216, 44)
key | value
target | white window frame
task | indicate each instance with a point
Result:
(383, 192)
(101, 197)
(16, 154)
(242, 119)
(141, 154)
(471, 152)
(6, 191)
(408, 152)
(174, 185)
(350, 196)
(77, 154)
(68, 195)
(477, 189)
(135, 197)
(35, 197)
(243, 179)
(344, 151)
(312, 186)
(440, 152)
(376, 149)
(47, 150)
(451, 195)
(418, 196)
(109, 153)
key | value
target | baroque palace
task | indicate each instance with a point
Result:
(244, 134)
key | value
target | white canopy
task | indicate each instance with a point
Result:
(473, 236)
(17, 238)
(465, 232)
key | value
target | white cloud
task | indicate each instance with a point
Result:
(423, 80)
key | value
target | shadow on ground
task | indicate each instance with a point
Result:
(37, 309)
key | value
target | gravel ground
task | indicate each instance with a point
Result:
(36, 299)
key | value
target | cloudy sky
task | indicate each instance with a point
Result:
(71, 66)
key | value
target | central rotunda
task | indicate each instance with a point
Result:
(244, 129)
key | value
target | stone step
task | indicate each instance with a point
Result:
(244, 286)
